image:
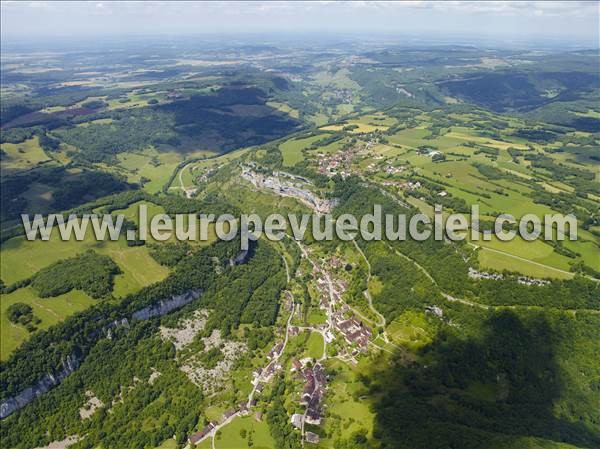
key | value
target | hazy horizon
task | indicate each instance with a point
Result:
(509, 23)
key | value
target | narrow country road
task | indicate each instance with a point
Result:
(479, 305)
(188, 192)
(382, 322)
(219, 426)
(275, 358)
(497, 251)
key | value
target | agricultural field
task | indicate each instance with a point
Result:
(500, 261)
(469, 168)
(283, 107)
(22, 258)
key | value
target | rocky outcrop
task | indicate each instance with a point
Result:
(166, 305)
(240, 258)
(19, 401)
(72, 362)
(298, 191)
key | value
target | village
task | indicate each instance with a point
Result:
(342, 326)
(340, 162)
(523, 280)
(297, 189)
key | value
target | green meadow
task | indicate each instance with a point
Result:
(411, 330)
(348, 405)
(292, 149)
(153, 165)
(505, 261)
(513, 193)
(332, 147)
(535, 258)
(316, 317)
(285, 108)
(314, 345)
(49, 310)
(22, 258)
(255, 434)
(22, 156)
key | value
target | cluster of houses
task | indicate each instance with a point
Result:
(313, 393)
(195, 438)
(315, 384)
(335, 262)
(523, 280)
(430, 152)
(311, 437)
(289, 301)
(392, 170)
(275, 352)
(474, 274)
(339, 285)
(532, 281)
(353, 330)
(174, 95)
(199, 436)
(345, 96)
(204, 176)
(261, 375)
(398, 184)
(340, 162)
(332, 165)
(403, 185)
(409, 185)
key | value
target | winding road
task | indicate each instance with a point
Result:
(382, 321)
(188, 192)
(479, 305)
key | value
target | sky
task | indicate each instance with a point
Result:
(510, 21)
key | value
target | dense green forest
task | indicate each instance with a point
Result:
(90, 272)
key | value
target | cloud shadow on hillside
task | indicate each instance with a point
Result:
(483, 393)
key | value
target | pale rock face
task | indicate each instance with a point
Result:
(19, 401)
(62, 444)
(166, 305)
(72, 362)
